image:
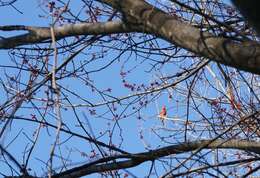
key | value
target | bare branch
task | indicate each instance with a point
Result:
(136, 159)
(241, 55)
(144, 17)
(41, 34)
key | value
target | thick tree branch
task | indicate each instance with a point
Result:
(40, 34)
(114, 163)
(245, 56)
(146, 18)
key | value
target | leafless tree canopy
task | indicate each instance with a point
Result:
(131, 88)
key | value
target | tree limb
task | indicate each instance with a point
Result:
(241, 55)
(41, 34)
(143, 17)
(111, 163)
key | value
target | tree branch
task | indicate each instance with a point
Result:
(241, 55)
(114, 163)
(143, 17)
(41, 34)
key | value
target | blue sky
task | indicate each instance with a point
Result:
(30, 16)
(137, 73)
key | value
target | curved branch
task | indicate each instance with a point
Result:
(111, 163)
(241, 55)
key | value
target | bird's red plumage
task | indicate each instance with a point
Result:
(163, 112)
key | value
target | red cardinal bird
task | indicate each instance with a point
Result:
(163, 114)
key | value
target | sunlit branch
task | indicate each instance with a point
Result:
(41, 34)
